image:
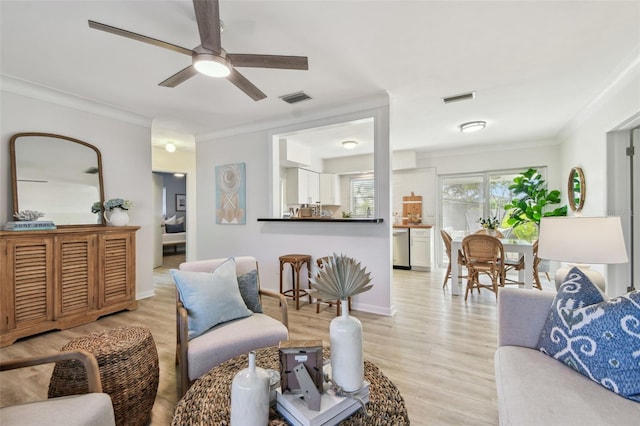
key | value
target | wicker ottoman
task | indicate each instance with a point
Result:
(129, 371)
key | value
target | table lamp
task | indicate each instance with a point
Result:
(578, 240)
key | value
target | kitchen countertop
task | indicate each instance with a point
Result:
(421, 225)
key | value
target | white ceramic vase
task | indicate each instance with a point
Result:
(347, 360)
(117, 217)
(250, 395)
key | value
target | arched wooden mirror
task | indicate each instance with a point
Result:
(576, 189)
(58, 176)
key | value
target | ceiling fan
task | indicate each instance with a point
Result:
(209, 57)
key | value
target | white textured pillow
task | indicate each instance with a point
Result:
(210, 298)
(180, 220)
(170, 221)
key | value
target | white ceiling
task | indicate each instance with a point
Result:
(533, 65)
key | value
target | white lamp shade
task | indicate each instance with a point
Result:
(582, 240)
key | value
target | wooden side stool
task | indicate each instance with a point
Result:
(296, 261)
(129, 370)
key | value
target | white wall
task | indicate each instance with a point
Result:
(585, 145)
(369, 243)
(124, 143)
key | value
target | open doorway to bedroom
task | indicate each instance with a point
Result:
(170, 197)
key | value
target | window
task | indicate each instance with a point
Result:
(362, 197)
(464, 198)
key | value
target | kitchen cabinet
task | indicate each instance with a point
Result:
(421, 251)
(303, 186)
(330, 189)
(62, 278)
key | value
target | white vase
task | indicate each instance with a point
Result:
(347, 360)
(250, 395)
(117, 217)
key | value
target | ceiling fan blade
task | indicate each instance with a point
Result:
(139, 37)
(245, 85)
(179, 77)
(269, 61)
(208, 18)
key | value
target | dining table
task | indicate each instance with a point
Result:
(510, 245)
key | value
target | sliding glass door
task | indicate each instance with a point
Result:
(465, 198)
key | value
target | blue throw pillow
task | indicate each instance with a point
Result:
(248, 285)
(597, 338)
(210, 298)
(173, 229)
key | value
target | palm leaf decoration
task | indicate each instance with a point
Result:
(340, 277)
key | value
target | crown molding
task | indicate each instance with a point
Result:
(57, 97)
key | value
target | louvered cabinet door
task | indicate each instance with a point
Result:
(27, 290)
(117, 269)
(75, 274)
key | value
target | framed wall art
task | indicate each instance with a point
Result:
(231, 194)
(181, 203)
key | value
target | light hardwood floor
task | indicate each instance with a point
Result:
(437, 349)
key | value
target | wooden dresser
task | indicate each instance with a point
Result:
(63, 278)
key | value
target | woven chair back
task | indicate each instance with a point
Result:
(483, 251)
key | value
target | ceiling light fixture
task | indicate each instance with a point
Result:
(211, 65)
(349, 144)
(179, 175)
(170, 147)
(472, 126)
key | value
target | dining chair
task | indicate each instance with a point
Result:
(518, 265)
(496, 233)
(446, 238)
(484, 255)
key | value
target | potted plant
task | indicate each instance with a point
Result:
(117, 209)
(532, 200)
(489, 223)
(339, 278)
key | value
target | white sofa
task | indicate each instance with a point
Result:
(535, 389)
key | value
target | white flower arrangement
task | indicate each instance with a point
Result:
(114, 203)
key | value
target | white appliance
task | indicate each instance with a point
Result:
(401, 248)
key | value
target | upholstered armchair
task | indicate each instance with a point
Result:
(93, 408)
(213, 325)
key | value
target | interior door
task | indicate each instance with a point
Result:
(157, 220)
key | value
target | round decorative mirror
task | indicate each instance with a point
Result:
(576, 189)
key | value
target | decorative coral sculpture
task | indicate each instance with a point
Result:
(27, 215)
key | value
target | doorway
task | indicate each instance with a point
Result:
(170, 207)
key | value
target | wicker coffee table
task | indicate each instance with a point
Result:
(208, 400)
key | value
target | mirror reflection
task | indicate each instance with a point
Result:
(576, 189)
(327, 171)
(58, 176)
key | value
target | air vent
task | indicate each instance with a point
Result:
(295, 97)
(461, 97)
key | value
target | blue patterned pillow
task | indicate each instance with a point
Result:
(597, 338)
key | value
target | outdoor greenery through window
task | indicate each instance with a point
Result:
(465, 198)
(362, 197)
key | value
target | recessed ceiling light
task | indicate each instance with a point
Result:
(170, 147)
(349, 144)
(472, 126)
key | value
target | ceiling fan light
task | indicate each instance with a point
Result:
(349, 144)
(212, 65)
(170, 147)
(472, 126)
